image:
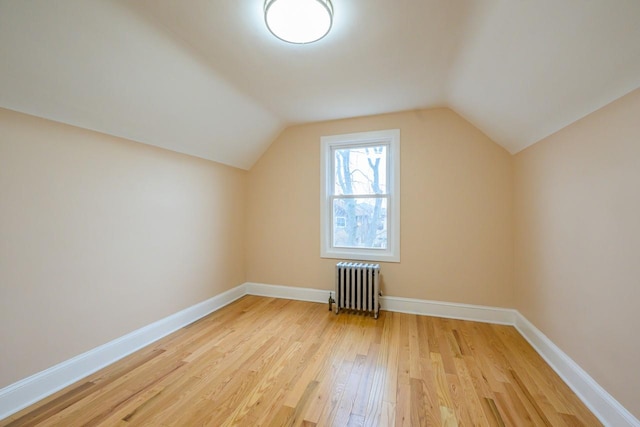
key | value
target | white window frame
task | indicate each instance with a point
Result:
(328, 144)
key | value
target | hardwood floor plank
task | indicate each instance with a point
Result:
(530, 400)
(345, 409)
(447, 413)
(492, 412)
(343, 366)
(330, 372)
(473, 405)
(403, 405)
(168, 399)
(459, 400)
(423, 337)
(373, 410)
(58, 404)
(367, 381)
(274, 362)
(393, 330)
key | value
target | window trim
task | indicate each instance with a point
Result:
(390, 137)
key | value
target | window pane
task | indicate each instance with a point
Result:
(360, 170)
(360, 222)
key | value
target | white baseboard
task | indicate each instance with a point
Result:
(27, 391)
(598, 400)
(36, 387)
(476, 313)
(287, 292)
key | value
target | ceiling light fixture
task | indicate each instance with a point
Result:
(298, 21)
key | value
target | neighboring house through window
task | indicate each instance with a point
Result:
(360, 191)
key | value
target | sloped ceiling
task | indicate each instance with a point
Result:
(206, 78)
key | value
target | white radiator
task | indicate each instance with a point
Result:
(358, 287)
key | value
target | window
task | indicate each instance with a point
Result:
(360, 188)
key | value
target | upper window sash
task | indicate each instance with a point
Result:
(380, 153)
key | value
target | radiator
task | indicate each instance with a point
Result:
(358, 287)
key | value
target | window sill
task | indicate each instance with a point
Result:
(360, 255)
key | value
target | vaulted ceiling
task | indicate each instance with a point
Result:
(206, 78)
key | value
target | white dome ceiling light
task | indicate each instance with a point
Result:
(298, 21)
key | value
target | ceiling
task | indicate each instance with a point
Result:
(206, 78)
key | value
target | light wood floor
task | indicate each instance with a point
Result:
(264, 361)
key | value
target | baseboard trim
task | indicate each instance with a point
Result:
(597, 399)
(476, 313)
(27, 391)
(287, 292)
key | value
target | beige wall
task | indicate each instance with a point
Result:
(100, 236)
(577, 210)
(456, 210)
